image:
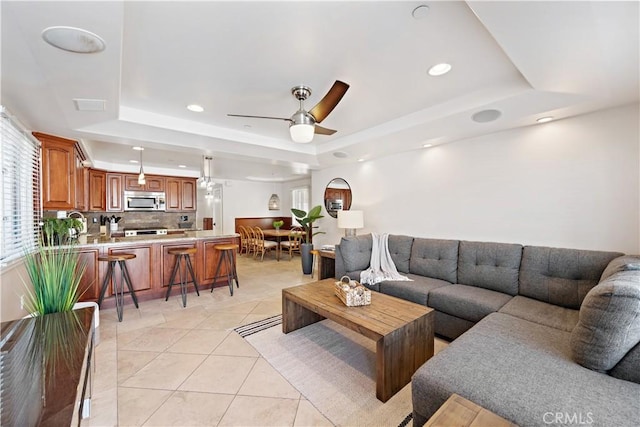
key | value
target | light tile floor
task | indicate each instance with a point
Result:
(165, 365)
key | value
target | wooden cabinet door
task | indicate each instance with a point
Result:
(211, 258)
(81, 180)
(97, 199)
(114, 192)
(169, 261)
(174, 194)
(131, 183)
(189, 195)
(58, 172)
(140, 268)
(91, 282)
(155, 183)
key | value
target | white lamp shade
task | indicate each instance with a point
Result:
(302, 132)
(350, 219)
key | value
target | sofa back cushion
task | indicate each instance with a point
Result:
(356, 252)
(435, 258)
(561, 276)
(400, 250)
(609, 323)
(490, 265)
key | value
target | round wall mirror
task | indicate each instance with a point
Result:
(337, 196)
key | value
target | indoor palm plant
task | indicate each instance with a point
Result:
(306, 221)
(55, 274)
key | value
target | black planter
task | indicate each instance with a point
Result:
(307, 257)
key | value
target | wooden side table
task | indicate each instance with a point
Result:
(458, 411)
(326, 264)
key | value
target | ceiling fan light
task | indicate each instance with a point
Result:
(301, 132)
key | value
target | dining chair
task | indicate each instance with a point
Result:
(293, 244)
(260, 244)
(245, 240)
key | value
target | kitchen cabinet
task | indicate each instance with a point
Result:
(114, 192)
(82, 175)
(182, 194)
(60, 157)
(153, 183)
(97, 191)
(211, 257)
(141, 269)
(91, 280)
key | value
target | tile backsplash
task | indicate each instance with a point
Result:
(169, 220)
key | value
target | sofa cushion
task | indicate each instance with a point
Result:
(416, 291)
(467, 302)
(490, 265)
(356, 252)
(561, 276)
(400, 250)
(541, 312)
(621, 263)
(521, 370)
(609, 324)
(435, 258)
(628, 368)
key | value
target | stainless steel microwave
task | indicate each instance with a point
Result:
(144, 201)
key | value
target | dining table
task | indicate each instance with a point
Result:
(278, 233)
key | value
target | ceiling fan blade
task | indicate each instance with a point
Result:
(329, 102)
(323, 131)
(259, 117)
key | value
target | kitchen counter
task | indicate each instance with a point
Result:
(152, 266)
(94, 239)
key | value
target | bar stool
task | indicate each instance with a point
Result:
(119, 259)
(182, 254)
(227, 253)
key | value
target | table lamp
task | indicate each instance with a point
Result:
(350, 221)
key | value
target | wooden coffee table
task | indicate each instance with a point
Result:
(403, 330)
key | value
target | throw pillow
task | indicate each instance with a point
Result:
(609, 323)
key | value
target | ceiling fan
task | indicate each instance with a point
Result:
(303, 124)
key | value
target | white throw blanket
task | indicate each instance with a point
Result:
(382, 266)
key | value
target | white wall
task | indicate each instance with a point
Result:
(11, 288)
(569, 183)
(250, 199)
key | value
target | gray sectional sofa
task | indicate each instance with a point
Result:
(541, 336)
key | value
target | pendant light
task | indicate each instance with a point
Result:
(205, 179)
(141, 179)
(274, 200)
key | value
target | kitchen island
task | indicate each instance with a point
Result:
(151, 270)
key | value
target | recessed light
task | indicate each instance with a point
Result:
(133, 161)
(439, 69)
(73, 39)
(182, 166)
(195, 108)
(544, 119)
(420, 12)
(485, 116)
(427, 145)
(361, 160)
(138, 148)
(340, 154)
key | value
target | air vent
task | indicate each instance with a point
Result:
(89, 104)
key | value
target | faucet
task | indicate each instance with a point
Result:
(82, 218)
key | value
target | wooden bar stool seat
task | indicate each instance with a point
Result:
(110, 276)
(184, 266)
(228, 256)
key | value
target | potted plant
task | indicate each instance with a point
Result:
(278, 224)
(60, 231)
(306, 221)
(55, 275)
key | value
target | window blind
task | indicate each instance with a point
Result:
(300, 198)
(20, 199)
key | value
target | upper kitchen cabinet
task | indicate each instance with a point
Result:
(63, 175)
(153, 183)
(97, 199)
(181, 194)
(114, 192)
